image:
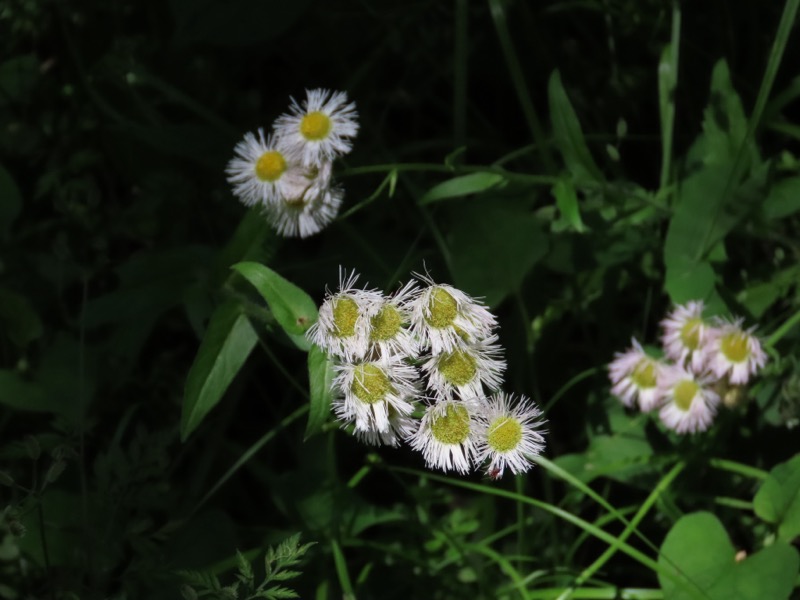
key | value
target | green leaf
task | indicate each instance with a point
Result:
(18, 76)
(10, 201)
(320, 380)
(569, 135)
(462, 186)
(697, 549)
(19, 322)
(494, 243)
(294, 310)
(783, 199)
(689, 280)
(228, 342)
(567, 203)
(778, 499)
(17, 393)
(667, 82)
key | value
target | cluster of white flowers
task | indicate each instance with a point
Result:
(288, 173)
(706, 362)
(428, 347)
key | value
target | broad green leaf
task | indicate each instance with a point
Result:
(778, 499)
(689, 280)
(760, 295)
(462, 186)
(19, 322)
(698, 550)
(17, 393)
(567, 203)
(569, 135)
(10, 201)
(294, 310)
(783, 199)
(494, 243)
(667, 82)
(228, 342)
(320, 380)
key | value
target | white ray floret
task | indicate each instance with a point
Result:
(510, 432)
(443, 317)
(685, 334)
(634, 377)
(262, 170)
(304, 216)
(342, 328)
(466, 369)
(734, 352)
(690, 401)
(447, 436)
(389, 331)
(321, 128)
(400, 428)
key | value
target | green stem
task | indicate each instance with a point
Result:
(609, 593)
(341, 571)
(782, 330)
(739, 468)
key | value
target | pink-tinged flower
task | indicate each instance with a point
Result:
(690, 401)
(734, 352)
(685, 334)
(634, 376)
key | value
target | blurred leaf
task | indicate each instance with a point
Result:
(462, 186)
(494, 243)
(783, 199)
(778, 499)
(17, 78)
(20, 323)
(697, 550)
(10, 201)
(228, 342)
(760, 296)
(567, 203)
(320, 380)
(59, 528)
(234, 22)
(667, 82)
(17, 393)
(689, 280)
(293, 309)
(569, 135)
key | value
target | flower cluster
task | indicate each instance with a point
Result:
(288, 173)
(427, 348)
(706, 362)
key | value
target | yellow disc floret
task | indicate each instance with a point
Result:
(458, 367)
(690, 333)
(684, 393)
(370, 383)
(644, 375)
(315, 126)
(270, 166)
(345, 315)
(452, 426)
(442, 308)
(504, 434)
(735, 347)
(386, 324)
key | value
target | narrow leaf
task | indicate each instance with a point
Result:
(567, 203)
(228, 342)
(320, 378)
(462, 186)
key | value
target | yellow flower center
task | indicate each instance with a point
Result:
(270, 166)
(690, 333)
(442, 309)
(451, 427)
(684, 393)
(735, 347)
(345, 315)
(458, 367)
(386, 324)
(644, 375)
(315, 126)
(370, 383)
(504, 434)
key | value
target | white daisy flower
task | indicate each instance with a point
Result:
(443, 317)
(342, 328)
(261, 170)
(370, 388)
(388, 328)
(634, 378)
(447, 435)
(685, 334)
(690, 401)
(734, 352)
(322, 128)
(508, 434)
(303, 216)
(466, 369)
(400, 428)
